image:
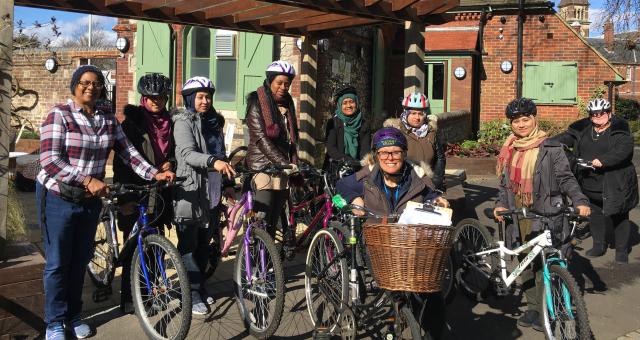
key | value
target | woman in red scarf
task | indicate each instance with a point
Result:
(534, 172)
(148, 127)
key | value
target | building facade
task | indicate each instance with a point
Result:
(576, 13)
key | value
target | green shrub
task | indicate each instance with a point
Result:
(634, 126)
(469, 144)
(553, 128)
(627, 108)
(494, 132)
(26, 134)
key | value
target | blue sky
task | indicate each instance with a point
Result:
(68, 22)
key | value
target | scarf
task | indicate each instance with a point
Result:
(517, 159)
(421, 131)
(211, 125)
(269, 109)
(352, 126)
(159, 129)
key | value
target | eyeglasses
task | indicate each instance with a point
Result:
(96, 84)
(384, 155)
(598, 113)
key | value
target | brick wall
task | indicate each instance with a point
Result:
(37, 89)
(551, 40)
(460, 94)
(632, 75)
(125, 66)
(290, 52)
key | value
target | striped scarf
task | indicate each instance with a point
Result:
(517, 159)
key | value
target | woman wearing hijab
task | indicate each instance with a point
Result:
(348, 135)
(148, 127)
(534, 173)
(273, 134)
(75, 141)
(201, 159)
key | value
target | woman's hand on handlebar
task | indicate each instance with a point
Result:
(495, 213)
(292, 168)
(230, 194)
(584, 210)
(441, 201)
(358, 201)
(596, 163)
(165, 176)
(224, 168)
(95, 187)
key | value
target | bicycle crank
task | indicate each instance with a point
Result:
(348, 325)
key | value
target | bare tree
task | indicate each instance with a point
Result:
(37, 35)
(624, 14)
(80, 37)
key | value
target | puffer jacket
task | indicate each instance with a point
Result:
(262, 150)
(191, 203)
(552, 181)
(429, 149)
(335, 139)
(620, 191)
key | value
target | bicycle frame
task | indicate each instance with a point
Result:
(539, 243)
(325, 211)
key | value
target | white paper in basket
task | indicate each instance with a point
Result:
(413, 214)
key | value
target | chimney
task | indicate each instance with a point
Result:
(608, 35)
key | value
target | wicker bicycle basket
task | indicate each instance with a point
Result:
(408, 257)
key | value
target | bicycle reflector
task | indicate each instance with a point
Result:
(338, 201)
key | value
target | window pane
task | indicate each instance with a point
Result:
(226, 80)
(201, 43)
(199, 67)
(438, 81)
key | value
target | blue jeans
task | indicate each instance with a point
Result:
(68, 233)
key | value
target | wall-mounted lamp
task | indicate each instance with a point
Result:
(459, 73)
(51, 64)
(323, 45)
(506, 66)
(503, 20)
(299, 43)
(122, 44)
(542, 18)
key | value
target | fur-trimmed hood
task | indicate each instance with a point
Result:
(422, 169)
(396, 123)
(181, 113)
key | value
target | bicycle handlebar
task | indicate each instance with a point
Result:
(271, 169)
(125, 188)
(533, 214)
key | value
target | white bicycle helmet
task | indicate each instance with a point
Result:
(598, 105)
(416, 101)
(196, 84)
(281, 67)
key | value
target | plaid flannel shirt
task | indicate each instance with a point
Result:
(73, 146)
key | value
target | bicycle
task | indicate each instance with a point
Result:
(158, 276)
(336, 288)
(563, 309)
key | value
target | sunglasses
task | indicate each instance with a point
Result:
(598, 113)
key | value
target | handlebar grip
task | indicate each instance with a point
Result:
(282, 167)
(180, 179)
(503, 213)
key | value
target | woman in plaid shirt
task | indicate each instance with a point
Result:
(75, 141)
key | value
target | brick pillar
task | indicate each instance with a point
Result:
(414, 57)
(125, 66)
(179, 70)
(309, 116)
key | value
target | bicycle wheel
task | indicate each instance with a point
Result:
(448, 279)
(102, 265)
(325, 287)
(563, 308)
(407, 327)
(259, 283)
(472, 271)
(164, 311)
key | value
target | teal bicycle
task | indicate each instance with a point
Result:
(481, 265)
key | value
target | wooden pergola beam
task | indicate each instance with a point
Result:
(188, 6)
(320, 19)
(397, 5)
(293, 15)
(354, 8)
(268, 10)
(230, 8)
(350, 22)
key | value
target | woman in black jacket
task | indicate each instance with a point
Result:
(148, 127)
(612, 187)
(348, 136)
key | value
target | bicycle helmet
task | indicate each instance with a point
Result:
(197, 84)
(598, 105)
(154, 84)
(520, 107)
(280, 67)
(343, 89)
(388, 136)
(416, 101)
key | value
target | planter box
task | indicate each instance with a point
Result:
(474, 166)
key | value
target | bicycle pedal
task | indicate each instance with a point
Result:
(321, 333)
(101, 294)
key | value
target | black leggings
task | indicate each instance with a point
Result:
(602, 225)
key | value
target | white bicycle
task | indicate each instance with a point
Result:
(480, 265)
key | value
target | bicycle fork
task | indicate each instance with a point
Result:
(143, 220)
(547, 287)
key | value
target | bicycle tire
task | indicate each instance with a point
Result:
(470, 237)
(338, 270)
(102, 267)
(170, 301)
(260, 330)
(407, 327)
(578, 325)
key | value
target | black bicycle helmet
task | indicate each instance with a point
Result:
(343, 89)
(521, 107)
(154, 84)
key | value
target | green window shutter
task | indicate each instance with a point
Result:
(565, 79)
(153, 49)
(532, 79)
(255, 54)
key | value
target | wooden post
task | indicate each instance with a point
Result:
(6, 63)
(309, 116)
(414, 57)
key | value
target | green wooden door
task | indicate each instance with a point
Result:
(255, 54)
(153, 49)
(435, 88)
